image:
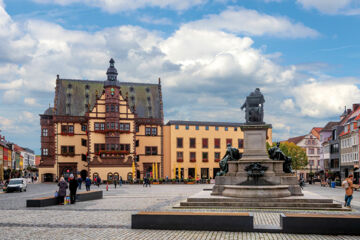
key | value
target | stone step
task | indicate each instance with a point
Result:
(299, 200)
(270, 208)
(262, 204)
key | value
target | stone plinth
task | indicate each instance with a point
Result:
(255, 142)
(276, 191)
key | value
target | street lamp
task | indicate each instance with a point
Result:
(88, 163)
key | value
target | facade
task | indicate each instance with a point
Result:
(311, 144)
(109, 129)
(193, 149)
(28, 157)
(325, 136)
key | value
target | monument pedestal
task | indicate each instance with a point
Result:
(273, 183)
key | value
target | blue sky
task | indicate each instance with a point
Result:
(303, 54)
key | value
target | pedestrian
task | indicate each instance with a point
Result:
(144, 183)
(62, 190)
(120, 181)
(348, 185)
(79, 182)
(73, 185)
(95, 181)
(87, 183)
(98, 180)
(115, 183)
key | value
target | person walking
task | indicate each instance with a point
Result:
(115, 183)
(87, 183)
(73, 185)
(120, 181)
(62, 190)
(98, 180)
(79, 180)
(348, 185)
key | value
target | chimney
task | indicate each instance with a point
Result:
(355, 106)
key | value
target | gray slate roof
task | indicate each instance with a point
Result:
(72, 96)
(200, 123)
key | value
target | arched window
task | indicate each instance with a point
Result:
(116, 176)
(110, 176)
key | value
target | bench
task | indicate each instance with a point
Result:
(193, 221)
(332, 224)
(50, 201)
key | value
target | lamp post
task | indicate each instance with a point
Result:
(88, 164)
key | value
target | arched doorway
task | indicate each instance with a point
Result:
(116, 176)
(48, 177)
(95, 175)
(83, 174)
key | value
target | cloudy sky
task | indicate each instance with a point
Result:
(303, 54)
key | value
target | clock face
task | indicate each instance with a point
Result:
(112, 91)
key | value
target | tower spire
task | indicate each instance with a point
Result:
(111, 71)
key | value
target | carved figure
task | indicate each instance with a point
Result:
(275, 153)
(232, 154)
(254, 107)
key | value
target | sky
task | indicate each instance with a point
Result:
(304, 55)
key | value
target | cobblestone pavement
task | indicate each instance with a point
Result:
(110, 217)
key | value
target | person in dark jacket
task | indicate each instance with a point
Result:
(87, 183)
(73, 187)
(79, 182)
(98, 181)
(62, 190)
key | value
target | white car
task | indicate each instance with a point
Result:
(16, 184)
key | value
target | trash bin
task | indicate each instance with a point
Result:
(333, 184)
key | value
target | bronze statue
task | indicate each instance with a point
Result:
(254, 107)
(275, 153)
(232, 154)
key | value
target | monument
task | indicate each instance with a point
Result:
(255, 174)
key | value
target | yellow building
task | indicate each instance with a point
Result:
(193, 149)
(107, 129)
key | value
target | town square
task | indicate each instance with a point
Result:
(179, 119)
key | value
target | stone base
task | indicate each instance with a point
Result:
(277, 191)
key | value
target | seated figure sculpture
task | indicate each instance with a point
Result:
(254, 107)
(275, 153)
(232, 154)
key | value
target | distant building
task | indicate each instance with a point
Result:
(325, 136)
(311, 143)
(193, 149)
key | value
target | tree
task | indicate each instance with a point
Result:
(297, 154)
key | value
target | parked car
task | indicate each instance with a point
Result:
(16, 184)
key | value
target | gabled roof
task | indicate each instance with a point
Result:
(329, 126)
(316, 132)
(71, 97)
(296, 140)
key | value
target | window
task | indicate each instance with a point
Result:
(67, 150)
(147, 131)
(217, 143)
(205, 157)
(205, 143)
(226, 128)
(154, 131)
(83, 157)
(126, 127)
(96, 126)
(83, 142)
(216, 128)
(150, 150)
(217, 157)
(102, 126)
(311, 151)
(83, 127)
(107, 108)
(176, 126)
(240, 143)
(137, 129)
(179, 156)
(179, 142)
(112, 125)
(235, 129)
(192, 143)
(137, 143)
(196, 127)
(44, 132)
(207, 128)
(70, 129)
(112, 108)
(187, 127)
(64, 129)
(228, 141)
(192, 156)
(311, 162)
(45, 151)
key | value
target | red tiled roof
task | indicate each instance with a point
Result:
(296, 139)
(316, 132)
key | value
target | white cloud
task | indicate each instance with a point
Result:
(30, 101)
(288, 105)
(346, 7)
(155, 21)
(325, 99)
(113, 6)
(253, 23)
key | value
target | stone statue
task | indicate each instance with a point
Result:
(254, 107)
(275, 153)
(232, 154)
